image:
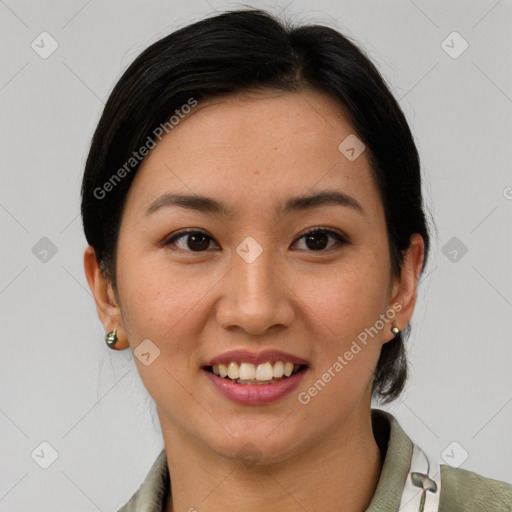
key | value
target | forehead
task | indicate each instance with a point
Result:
(254, 150)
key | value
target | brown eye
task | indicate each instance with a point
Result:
(195, 241)
(318, 239)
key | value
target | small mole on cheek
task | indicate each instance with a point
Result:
(256, 172)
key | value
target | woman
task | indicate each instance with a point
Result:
(252, 201)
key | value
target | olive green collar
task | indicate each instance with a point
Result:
(396, 447)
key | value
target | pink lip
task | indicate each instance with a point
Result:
(254, 394)
(244, 356)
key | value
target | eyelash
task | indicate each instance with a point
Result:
(341, 240)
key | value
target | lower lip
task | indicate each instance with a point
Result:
(254, 394)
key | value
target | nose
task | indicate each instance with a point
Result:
(255, 298)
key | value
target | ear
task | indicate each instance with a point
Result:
(107, 307)
(405, 286)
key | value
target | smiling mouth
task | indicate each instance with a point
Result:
(262, 374)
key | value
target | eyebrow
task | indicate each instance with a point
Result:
(292, 205)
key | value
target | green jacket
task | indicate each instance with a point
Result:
(460, 490)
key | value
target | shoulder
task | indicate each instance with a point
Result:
(465, 491)
(154, 490)
(461, 490)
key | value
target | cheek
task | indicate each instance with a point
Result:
(347, 301)
(151, 302)
(162, 303)
(345, 308)
(158, 306)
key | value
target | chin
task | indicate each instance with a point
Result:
(258, 445)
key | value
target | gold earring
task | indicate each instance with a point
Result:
(111, 339)
(395, 330)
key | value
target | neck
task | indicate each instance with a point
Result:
(340, 473)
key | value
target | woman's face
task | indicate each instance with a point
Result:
(250, 280)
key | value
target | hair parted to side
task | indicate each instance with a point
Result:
(244, 50)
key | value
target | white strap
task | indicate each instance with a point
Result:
(423, 483)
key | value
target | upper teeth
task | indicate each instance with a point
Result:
(249, 371)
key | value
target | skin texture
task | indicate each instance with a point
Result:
(253, 151)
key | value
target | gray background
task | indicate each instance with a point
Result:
(59, 381)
